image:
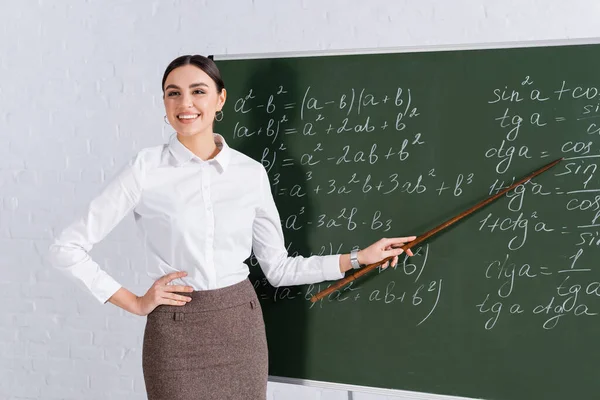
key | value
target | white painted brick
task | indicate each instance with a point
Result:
(82, 352)
(128, 396)
(114, 354)
(7, 319)
(35, 320)
(55, 306)
(8, 334)
(132, 359)
(34, 335)
(118, 383)
(116, 339)
(5, 382)
(70, 174)
(97, 323)
(43, 290)
(91, 174)
(27, 384)
(10, 290)
(88, 306)
(10, 363)
(74, 337)
(139, 386)
(22, 306)
(14, 271)
(11, 161)
(49, 275)
(82, 95)
(64, 393)
(60, 379)
(13, 349)
(31, 259)
(125, 324)
(15, 246)
(92, 367)
(25, 176)
(27, 231)
(46, 365)
(43, 350)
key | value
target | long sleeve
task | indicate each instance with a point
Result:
(70, 250)
(269, 248)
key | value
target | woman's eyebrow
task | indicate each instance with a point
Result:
(193, 85)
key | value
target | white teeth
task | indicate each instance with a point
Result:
(188, 116)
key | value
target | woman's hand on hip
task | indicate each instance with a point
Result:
(160, 293)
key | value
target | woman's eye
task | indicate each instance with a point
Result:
(170, 94)
(199, 91)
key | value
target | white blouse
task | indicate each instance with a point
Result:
(203, 217)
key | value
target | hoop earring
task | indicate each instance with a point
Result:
(219, 116)
(166, 121)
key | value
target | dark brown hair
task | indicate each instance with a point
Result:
(204, 63)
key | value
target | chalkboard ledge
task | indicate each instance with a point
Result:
(400, 394)
(409, 49)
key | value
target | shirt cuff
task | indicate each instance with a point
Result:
(331, 268)
(104, 286)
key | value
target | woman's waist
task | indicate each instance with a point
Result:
(214, 299)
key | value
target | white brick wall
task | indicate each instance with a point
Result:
(80, 93)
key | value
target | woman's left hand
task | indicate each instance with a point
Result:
(384, 248)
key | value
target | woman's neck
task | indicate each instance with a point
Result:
(201, 144)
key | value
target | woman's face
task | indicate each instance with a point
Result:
(191, 100)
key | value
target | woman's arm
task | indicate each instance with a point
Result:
(126, 300)
(69, 252)
(281, 270)
(159, 293)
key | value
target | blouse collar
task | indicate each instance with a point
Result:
(184, 155)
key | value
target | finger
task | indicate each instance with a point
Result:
(395, 262)
(396, 242)
(171, 302)
(409, 252)
(178, 288)
(392, 253)
(173, 296)
(163, 280)
(385, 265)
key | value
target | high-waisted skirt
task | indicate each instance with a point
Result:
(214, 347)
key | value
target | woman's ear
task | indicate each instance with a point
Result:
(222, 97)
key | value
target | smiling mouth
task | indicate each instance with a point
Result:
(188, 117)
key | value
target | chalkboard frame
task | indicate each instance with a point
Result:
(401, 394)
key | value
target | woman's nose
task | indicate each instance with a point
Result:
(187, 101)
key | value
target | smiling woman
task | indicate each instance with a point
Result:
(193, 94)
(201, 208)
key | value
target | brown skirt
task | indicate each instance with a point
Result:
(213, 348)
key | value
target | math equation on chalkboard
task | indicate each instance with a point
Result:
(354, 164)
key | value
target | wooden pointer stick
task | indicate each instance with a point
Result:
(428, 234)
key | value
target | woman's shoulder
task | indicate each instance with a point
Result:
(150, 157)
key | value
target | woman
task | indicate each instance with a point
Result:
(200, 207)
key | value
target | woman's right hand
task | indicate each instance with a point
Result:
(162, 293)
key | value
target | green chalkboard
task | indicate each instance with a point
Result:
(503, 305)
